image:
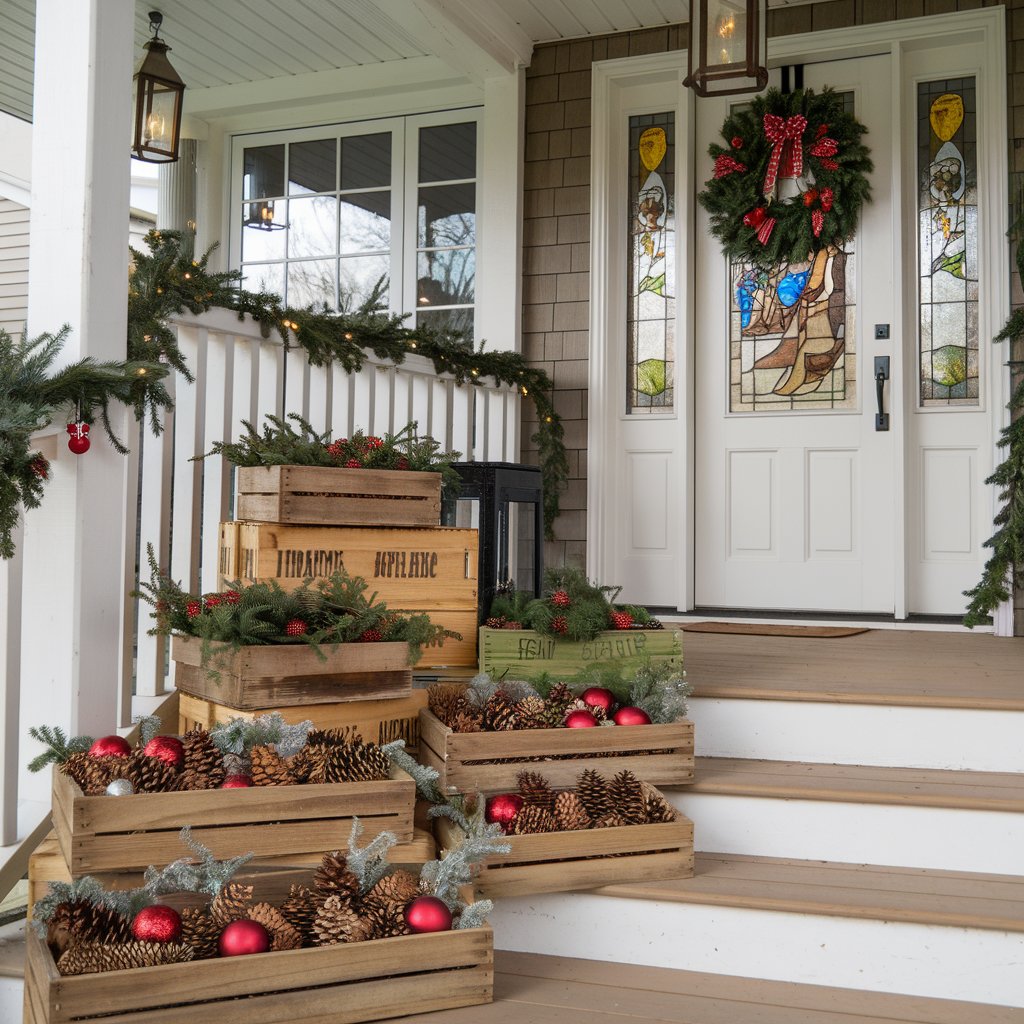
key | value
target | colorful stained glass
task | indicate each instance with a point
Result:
(651, 307)
(948, 241)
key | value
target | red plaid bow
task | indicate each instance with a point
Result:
(784, 135)
(725, 165)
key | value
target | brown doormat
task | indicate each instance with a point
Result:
(772, 629)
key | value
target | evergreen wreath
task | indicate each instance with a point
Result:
(803, 135)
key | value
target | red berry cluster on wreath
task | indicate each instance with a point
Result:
(371, 636)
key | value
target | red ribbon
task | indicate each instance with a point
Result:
(824, 147)
(725, 165)
(764, 232)
(784, 135)
(826, 195)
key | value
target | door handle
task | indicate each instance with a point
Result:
(881, 376)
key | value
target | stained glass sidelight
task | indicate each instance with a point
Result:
(651, 306)
(948, 241)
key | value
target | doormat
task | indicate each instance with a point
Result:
(772, 629)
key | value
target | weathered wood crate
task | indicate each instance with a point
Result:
(329, 496)
(376, 721)
(342, 984)
(105, 833)
(525, 654)
(289, 675)
(490, 761)
(564, 861)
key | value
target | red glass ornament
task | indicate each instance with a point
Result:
(169, 749)
(242, 937)
(810, 196)
(78, 439)
(737, 142)
(428, 914)
(631, 716)
(503, 808)
(110, 746)
(754, 218)
(157, 924)
(598, 697)
(237, 782)
(580, 720)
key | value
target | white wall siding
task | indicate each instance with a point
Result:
(13, 266)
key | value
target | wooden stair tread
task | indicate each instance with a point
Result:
(803, 780)
(559, 990)
(914, 895)
(914, 668)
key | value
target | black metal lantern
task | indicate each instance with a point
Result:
(727, 47)
(158, 93)
(260, 215)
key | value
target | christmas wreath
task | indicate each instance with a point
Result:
(804, 136)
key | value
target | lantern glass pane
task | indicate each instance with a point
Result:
(726, 33)
(158, 119)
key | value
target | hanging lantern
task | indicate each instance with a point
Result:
(727, 47)
(261, 215)
(158, 93)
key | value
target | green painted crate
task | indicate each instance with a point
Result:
(525, 654)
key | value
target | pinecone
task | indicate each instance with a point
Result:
(350, 762)
(231, 903)
(330, 737)
(570, 812)
(283, 934)
(560, 599)
(385, 920)
(530, 713)
(96, 957)
(511, 624)
(560, 696)
(395, 889)
(581, 705)
(495, 622)
(203, 757)
(619, 620)
(333, 878)
(466, 721)
(499, 712)
(535, 790)
(611, 820)
(268, 768)
(593, 793)
(533, 819)
(553, 716)
(75, 921)
(627, 796)
(200, 931)
(149, 774)
(560, 625)
(93, 774)
(190, 780)
(336, 922)
(656, 808)
(299, 910)
(446, 700)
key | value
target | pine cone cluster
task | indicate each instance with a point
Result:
(82, 921)
(447, 701)
(95, 957)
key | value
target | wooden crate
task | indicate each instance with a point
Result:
(564, 861)
(289, 675)
(328, 496)
(525, 654)
(659, 754)
(105, 833)
(227, 553)
(376, 721)
(341, 984)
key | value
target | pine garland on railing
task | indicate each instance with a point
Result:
(170, 279)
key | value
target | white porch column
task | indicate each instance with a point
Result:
(78, 244)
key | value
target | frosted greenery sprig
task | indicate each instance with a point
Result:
(455, 868)
(482, 688)
(368, 863)
(240, 735)
(149, 727)
(424, 776)
(660, 690)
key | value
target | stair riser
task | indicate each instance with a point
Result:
(882, 735)
(950, 963)
(900, 836)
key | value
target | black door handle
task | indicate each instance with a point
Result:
(881, 376)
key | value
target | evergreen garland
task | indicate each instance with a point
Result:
(58, 746)
(170, 279)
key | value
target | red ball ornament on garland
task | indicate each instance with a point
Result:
(737, 142)
(428, 914)
(242, 937)
(631, 716)
(580, 720)
(598, 697)
(754, 218)
(169, 749)
(157, 924)
(810, 197)
(503, 808)
(110, 746)
(238, 781)
(78, 440)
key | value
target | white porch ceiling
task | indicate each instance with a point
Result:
(236, 41)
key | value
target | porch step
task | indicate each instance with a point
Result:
(918, 818)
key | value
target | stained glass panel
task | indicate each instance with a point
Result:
(651, 305)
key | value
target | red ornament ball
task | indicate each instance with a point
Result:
(157, 924)
(632, 716)
(598, 697)
(242, 937)
(810, 196)
(580, 720)
(428, 914)
(110, 746)
(755, 217)
(737, 142)
(296, 627)
(238, 781)
(169, 749)
(78, 445)
(503, 808)
(193, 609)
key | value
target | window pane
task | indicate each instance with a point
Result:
(258, 241)
(366, 222)
(445, 278)
(311, 283)
(263, 170)
(448, 152)
(447, 215)
(448, 321)
(311, 166)
(264, 279)
(313, 226)
(359, 276)
(366, 161)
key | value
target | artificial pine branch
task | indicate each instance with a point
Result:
(368, 863)
(58, 747)
(240, 735)
(424, 776)
(455, 868)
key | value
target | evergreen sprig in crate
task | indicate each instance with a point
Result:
(336, 496)
(107, 833)
(527, 654)
(342, 984)
(582, 859)
(490, 761)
